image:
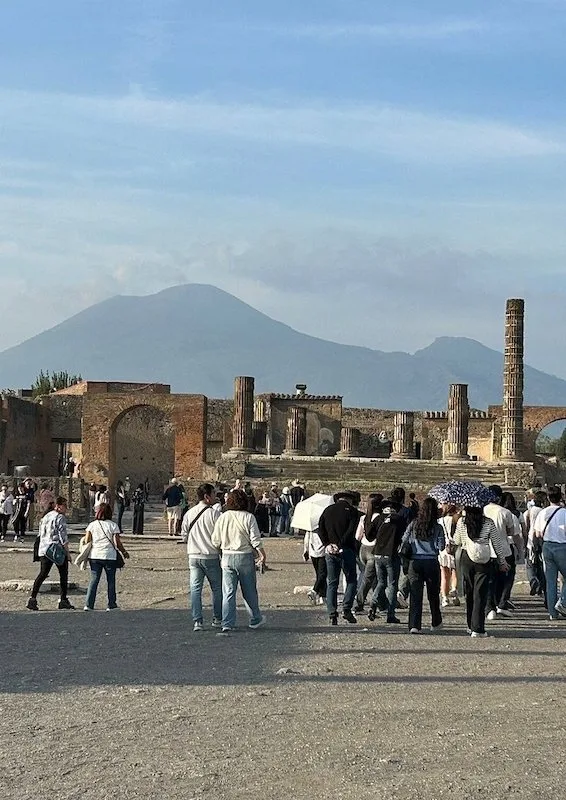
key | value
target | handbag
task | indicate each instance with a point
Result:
(56, 553)
(119, 561)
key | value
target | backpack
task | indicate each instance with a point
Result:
(478, 552)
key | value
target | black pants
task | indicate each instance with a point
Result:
(45, 569)
(476, 578)
(501, 584)
(121, 508)
(424, 571)
(319, 565)
(4, 520)
(138, 520)
(20, 524)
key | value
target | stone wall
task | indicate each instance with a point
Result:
(113, 387)
(324, 415)
(25, 437)
(65, 411)
(145, 447)
(218, 428)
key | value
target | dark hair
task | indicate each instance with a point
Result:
(554, 494)
(141, 486)
(237, 500)
(373, 507)
(412, 496)
(119, 484)
(205, 489)
(539, 499)
(508, 501)
(104, 512)
(60, 501)
(473, 520)
(102, 488)
(425, 523)
(497, 491)
(398, 495)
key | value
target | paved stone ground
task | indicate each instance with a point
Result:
(133, 704)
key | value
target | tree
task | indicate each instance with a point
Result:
(45, 383)
(561, 447)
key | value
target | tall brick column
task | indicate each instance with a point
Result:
(403, 442)
(242, 434)
(458, 422)
(513, 381)
(349, 443)
(296, 444)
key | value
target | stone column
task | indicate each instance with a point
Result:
(458, 422)
(242, 434)
(513, 381)
(349, 443)
(296, 444)
(403, 442)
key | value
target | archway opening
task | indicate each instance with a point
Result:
(551, 440)
(142, 447)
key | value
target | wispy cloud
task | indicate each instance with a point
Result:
(440, 29)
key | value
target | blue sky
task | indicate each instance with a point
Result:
(377, 173)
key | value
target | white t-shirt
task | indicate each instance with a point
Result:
(103, 542)
(555, 531)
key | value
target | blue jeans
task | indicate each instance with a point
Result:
(345, 561)
(97, 567)
(554, 557)
(387, 569)
(201, 568)
(239, 568)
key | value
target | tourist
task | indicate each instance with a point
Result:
(261, 514)
(104, 536)
(517, 551)
(20, 511)
(31, 491)
(479, 537)
(413, 505)
(127, 492)
(173, 498)
(533, 545)
(337, 531)
(251, 497)
(387, 536)
(138, 502)
(6, 509)
(297, 493)
(237, 535)
(92, 492)
(550, 526)
(120, 503)
(101, 498)
(285, 511)
(204, 557)
(53, 531)
(505, 523)
(405, 516)
(447, 558)
(314, 549)
(70, 466)
(422, 543)
(274, 510)
(368, 579)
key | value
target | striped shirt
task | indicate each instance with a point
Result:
(489, 534)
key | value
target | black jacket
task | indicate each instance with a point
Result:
(387, 532)
(338, 525)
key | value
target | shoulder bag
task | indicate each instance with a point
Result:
(120, 563)
(56, 553)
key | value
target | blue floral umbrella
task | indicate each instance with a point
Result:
(462, 493)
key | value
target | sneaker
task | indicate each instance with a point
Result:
(112, 608)
(560, 608)
(445, 602)
(321, 601)
(372, 614)
(552, 618)
(65, 605)
(435, 628)
(334, 619)
(216, 623)
(88, 608)
(510, 606)
(469, 631)
(349, 617)
(401, 600)
(476, 635)
(32, 604)
(414, 630)
(359, 608)
(492, 615)
(502, 612)
(454, 599)
(225, 632)
(255, 625)
(393, 621)
(198, 626)
(312, 595)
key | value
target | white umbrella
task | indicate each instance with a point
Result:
(307, 513)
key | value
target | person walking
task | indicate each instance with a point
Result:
(53, 531)
(6, 509)
(387, 533)
(138, 503)
(479, 537)
(314, 549)
(533, 545)
(285, 512)
(120, 503)
(173, 498)
(101, 498)
(274, 510)
(31, 492)
(447, 558)
(505, 523)
(261, 514)
(204, 557)
(550, 526)
(422, 543)
(337, 530)
(237, 535)
(104, 536)
(368, 579)
(92, 492)
(20, 513)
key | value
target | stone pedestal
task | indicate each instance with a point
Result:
(296, 443)
(242, 433)
(458, 423)
(513, 382)
(404, 436)
(349, 443)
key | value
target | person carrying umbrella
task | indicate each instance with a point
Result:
(337, 531)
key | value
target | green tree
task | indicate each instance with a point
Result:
(45, 383)
(561, 446)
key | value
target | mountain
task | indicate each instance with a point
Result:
(197, 338)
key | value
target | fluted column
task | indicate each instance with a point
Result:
(349, 443)
(242, 434)
(403, 442)
(513, 381)
(296, 444)
(458, 422)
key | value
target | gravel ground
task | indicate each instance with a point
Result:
(134, 704)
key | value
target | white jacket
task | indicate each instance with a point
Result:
(313, 545)
(236, 532)
(198, 534)
(6, 503)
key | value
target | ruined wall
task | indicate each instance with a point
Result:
(25, 437)
(65, 411)
(145, 447)
(371, 422)
(324, 415)
(535, 418)
(218, 428)
(113, 387)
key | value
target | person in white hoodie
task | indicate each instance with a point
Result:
(237, 534)
(316, 551)
(6, 509)
(204, 556)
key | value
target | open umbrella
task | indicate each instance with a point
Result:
(307, 513)
(462, 493)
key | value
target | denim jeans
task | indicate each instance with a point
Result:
(346, 561)
(554, 557)
(199, 569)
(97, 567)
(387, 569)
(239, 568)
(368, 579)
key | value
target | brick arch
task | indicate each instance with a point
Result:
(538, 417)
(142, 446)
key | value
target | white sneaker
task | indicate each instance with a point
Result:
(216, 623)
(560, 608)
(434, 628)
(492, 615)
(502, 612)
(254, 625)
(414, 630)
(401, 600)
(445, 602)
(88, 608)
(469, 631)
(476, 635)
(198, 626)
(312, 595)
(321, 601)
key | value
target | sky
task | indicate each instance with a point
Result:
(377, 174)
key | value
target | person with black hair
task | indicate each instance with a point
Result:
(550, 526)
(398, 496)
(387, 533)
(138, 502)
(505, 523)
(423, 541)
(52, 531)
(533, 545)
(337, 531)
(368, 578)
